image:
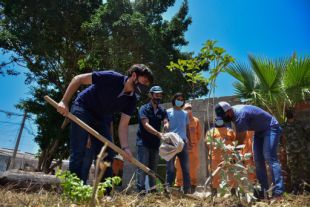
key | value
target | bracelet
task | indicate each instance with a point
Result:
(124, 148)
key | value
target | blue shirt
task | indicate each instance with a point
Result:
(178, 120)
(155, 119)
(252, 118)
(104, 96)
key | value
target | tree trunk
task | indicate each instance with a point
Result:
(28, 181)
(41, 159)
(46, 157)
(49, 157)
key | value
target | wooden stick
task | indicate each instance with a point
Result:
(219, 167)
(98, 176)
(65, 123)
(104, 140)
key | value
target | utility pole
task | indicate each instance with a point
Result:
(12, 163)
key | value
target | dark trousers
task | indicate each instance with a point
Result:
(149, 157)
(184, 161)
(81, 157)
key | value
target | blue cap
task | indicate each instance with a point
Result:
(156, 89)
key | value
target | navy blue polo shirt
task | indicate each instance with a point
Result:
(105, 95)
(155, 119)
(253, 118)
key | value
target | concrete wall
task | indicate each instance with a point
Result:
(200, 111)
(23, 161)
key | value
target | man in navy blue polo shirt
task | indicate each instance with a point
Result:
(109, 92)
(266, 139)
(151, 116)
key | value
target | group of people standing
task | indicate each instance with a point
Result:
(178, 119)
(110, 92)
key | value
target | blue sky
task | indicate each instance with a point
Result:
(272, 28)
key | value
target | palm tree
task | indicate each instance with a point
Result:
(272, 84)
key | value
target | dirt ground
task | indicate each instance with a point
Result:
(44, 198)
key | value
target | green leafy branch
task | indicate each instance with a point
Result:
(210, 58)
(232, 166)
(75, 190)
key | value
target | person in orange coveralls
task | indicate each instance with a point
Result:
(193, 150)
(226, 133)
(248, 148)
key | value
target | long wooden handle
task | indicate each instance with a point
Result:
(104, 140)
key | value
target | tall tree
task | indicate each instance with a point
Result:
(56, 40)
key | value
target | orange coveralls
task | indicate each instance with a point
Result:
(193, 152)
(248, 140)
(229, 136)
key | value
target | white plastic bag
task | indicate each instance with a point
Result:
(171, 145)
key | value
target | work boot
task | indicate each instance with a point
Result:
(193, 188)
(260, 195)
(213, 192)
(187, 190)
(233, 192)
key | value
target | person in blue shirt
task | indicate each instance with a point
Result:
(108, 92)
(151, 117)
(179, 123)
(266, 139)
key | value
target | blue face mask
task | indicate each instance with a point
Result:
(179, 103)
(219, 122)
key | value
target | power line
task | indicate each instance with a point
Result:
(29, 129)
(9, 122)
(9, 113)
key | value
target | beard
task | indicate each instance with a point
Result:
(227, 119)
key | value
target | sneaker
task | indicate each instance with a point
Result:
(193, 188)
(213, 192)
(187, 190)
(233, 192)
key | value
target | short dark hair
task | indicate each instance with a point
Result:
(219, 111)
(177, 95)
(141, 70)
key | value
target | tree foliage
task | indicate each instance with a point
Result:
(211, 58)
(56, 40)
(272, 84)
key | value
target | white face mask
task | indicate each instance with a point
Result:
(219, 122)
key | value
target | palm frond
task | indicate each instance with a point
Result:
(297, 79)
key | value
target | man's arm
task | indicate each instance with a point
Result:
(123, 135)
(149, 128)
(76, 82)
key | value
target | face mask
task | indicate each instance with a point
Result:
(140, 88)
(179, 103)
(219, 122)
(156, 101)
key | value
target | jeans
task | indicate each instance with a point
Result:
(184, 161)
(265, 150)
(81, 158)
(149, 157)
